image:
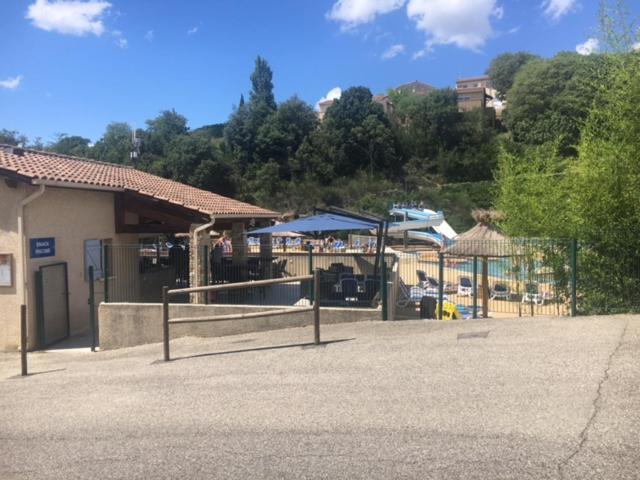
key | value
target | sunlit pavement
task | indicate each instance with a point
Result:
(526, 398)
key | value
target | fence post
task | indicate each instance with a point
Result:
(475, 287)
(316, 307)
(23, 339)
(311, 293)
(574, 277)
(205, 257)
(383, 289)
(106, 273)
(165, 322)
(440, 285)
(92, 311)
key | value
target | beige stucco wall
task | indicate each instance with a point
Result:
(10, 243)
(71, 216)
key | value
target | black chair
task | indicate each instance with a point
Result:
(426, 281)
(349, 288)
(428, 307)
(371, 287)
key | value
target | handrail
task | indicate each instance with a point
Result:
(166, 293)
(235, 286)
(241, 316)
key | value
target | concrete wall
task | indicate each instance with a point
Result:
(130, 324)
(10, 297)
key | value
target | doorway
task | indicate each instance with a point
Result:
(52, 304)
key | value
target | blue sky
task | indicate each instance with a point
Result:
(73, 67)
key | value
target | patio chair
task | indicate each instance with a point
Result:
(349, 288)
(346, 275)
(465, 287)
(278, 268)
(532, 294)
(371, 287)
(500, 290)
(425, 281)
(404, 295)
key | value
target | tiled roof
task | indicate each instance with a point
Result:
(37, 165)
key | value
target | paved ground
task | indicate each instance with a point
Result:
(541, 398)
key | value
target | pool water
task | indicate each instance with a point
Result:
(500, 268)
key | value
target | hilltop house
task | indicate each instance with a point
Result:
(413, 88)
(477, 92)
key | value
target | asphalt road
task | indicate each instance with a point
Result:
(486, 399)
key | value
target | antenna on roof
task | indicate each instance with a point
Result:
(135, 150)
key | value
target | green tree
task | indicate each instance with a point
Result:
(262, 85)
(550, 99)
(282, 134)
(356, 135)
(532, 191)
(157, 137)
(116, 144)
(12, 137)
(161, 130)
(70, 145)
(504, 68)
(432, 126)
(238, 136)
(261, 101)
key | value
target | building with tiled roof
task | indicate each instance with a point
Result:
(53, 169)
(62, 215)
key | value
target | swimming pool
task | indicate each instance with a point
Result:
(500, 268)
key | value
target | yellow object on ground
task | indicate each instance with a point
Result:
(450, 311)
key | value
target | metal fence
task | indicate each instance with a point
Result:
(488, 278)
(137, 273)
(515, 277)
(348, 279)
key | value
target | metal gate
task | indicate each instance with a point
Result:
(52, 303)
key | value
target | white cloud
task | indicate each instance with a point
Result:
(636, 47)
(355, 12)
(70, 17)
(393, 51)
(592, 45)
(464, 23)
(119, 39)
(556, 9)
(421, 53)
(193, 31)
(332, 94)
(149, 36)
(11, 83)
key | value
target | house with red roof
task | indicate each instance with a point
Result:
(59, 214)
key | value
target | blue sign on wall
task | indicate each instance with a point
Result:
(42, 247)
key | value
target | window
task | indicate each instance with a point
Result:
(94, 257)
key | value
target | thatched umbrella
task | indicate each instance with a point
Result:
(482, 241)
